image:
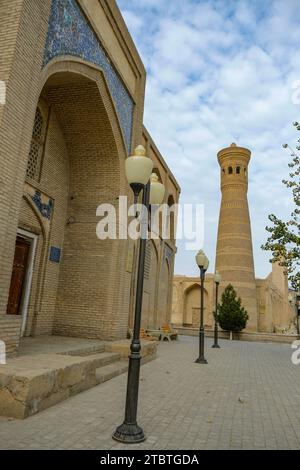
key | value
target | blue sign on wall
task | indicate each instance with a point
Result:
(55, 254)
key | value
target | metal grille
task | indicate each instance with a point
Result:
(34, 159)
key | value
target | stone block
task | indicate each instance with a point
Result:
(11, 407)
(52, 400)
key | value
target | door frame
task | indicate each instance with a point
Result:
(32, 239)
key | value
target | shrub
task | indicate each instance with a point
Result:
(231, 315)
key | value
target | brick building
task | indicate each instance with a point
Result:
(73, 113)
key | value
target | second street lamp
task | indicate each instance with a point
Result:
(203, 263)
(217, 283)
(157, 192)
(294, 301)
(298, 311)
(138, 170)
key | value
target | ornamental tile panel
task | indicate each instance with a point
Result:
(70, 33)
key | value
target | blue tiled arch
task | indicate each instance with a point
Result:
(70, 33)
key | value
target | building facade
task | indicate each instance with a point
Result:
(266, 300)
(73, 112)
(274, 313)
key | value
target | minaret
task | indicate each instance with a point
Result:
(234, 258)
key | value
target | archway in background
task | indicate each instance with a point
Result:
(191, 303)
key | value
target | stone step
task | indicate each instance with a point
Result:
(103, 359)
(32, 383)
(86, 351)
(60, 345)
(110, 371)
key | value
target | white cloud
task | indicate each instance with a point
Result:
(133, 21)
(221, 71)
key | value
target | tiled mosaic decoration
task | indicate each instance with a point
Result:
(45, 209)
(70, 33)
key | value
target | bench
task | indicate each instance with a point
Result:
(168, 330)
(160, 334)
(143, 335)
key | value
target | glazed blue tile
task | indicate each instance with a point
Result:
(45, 209)
(69, 33)
(55, 254)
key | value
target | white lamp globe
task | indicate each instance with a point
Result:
(202, 260)
(138, 167)
(157, 190)
(217, 277)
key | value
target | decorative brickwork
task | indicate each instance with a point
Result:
(234, 257)
(36, 147)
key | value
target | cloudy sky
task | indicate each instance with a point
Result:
(221, 71)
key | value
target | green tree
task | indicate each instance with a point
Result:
(232, 316)
(284, 239)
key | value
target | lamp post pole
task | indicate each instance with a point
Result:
(203, 263)
(129, 431)
(298, 311)
(138, 171)
(217, 283)
(294, 301)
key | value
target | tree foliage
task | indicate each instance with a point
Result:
(232, 316)
(284, 239)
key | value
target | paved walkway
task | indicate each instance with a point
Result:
(247, 397)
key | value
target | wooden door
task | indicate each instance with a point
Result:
(18, 276)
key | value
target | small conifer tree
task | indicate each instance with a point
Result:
(232, 316)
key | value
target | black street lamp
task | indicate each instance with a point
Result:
(203, 263)
(217, 283)
(298, 310)
(294, 300)
(138, 170)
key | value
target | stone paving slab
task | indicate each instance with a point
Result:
(247, 397)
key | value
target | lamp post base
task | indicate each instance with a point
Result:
(215, 346)
(201, 360)
(129, 434)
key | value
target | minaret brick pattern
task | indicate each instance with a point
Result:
(234, 259)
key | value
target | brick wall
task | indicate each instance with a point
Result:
(90, 292)
(10, 333)
(23, 27)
